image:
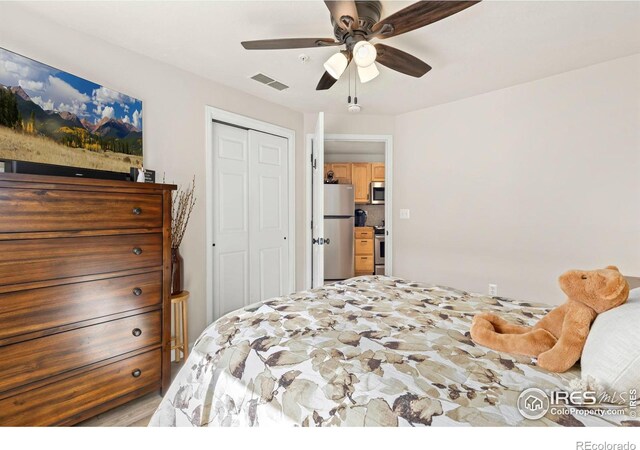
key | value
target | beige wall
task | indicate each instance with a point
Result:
(173, 118)
(349, 123)
(516, 186)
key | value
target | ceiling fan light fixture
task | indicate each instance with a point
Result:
(364, 54)
(336, 65)
(368, 73)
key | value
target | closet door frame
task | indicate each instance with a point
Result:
(218, 115)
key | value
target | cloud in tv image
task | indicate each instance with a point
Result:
(53, 117)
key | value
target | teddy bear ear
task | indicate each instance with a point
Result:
(613, 268)
(614, 288)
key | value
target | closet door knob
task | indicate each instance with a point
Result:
(137, 292)
(137, 251)
(137, 211)
(136, 332)
(136, 373)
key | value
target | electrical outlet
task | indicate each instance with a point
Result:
(493, 289)
(405, 214)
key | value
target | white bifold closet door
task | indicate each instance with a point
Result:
(250, 208)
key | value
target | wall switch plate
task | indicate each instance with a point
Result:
(493, 289)
(405, 214)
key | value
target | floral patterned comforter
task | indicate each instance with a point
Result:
(369, 351)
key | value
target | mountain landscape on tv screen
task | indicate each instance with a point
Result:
(50, 116)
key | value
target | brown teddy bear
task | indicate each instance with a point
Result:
(558, 338)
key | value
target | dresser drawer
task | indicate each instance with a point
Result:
(364, 247)
(39, 309)
(29, 210)
(363, 232)
(48, 404)
(364, 264)
(36, 359)
(28, 260)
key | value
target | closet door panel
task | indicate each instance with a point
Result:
(268, 222)
(230, 218)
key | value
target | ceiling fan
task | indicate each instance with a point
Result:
(355, 23)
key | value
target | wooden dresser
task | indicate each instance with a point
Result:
(85, 268)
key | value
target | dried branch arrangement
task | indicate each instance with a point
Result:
(181, 206)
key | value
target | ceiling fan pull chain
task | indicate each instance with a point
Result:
(355, 90)
(349, 83)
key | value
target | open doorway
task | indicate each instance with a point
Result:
(363, 162)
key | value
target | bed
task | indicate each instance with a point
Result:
(369, 351)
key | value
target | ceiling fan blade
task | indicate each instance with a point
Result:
(418, 15)
(340, 9)
(326, 81)
(281, 44)
(401, 61)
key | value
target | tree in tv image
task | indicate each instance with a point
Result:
(51, 116)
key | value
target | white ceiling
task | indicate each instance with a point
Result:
(489, 46)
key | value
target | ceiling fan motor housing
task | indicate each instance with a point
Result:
(369, 13)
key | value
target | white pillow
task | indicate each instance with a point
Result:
(611, 354)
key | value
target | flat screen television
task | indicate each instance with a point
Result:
(51, 116)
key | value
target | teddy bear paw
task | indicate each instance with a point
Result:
(552, 363)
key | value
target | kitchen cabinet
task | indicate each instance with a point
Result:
(377, 171)
(361, 179)
(359, 174)
(364, 233)
(341, 172)
(364, 257)
(363, 265)
(364, 246)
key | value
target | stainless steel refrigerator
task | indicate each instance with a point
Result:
(339, 206)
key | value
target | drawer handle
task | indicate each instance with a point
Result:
(137, 211)
(137, 292)
(136, 332)
(136, 373)
(137, 251)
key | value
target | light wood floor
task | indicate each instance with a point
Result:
(136, 413)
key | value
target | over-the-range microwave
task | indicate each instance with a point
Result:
(377, 193)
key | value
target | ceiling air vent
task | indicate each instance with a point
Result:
(262, 78)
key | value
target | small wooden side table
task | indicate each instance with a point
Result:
(180, 341)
